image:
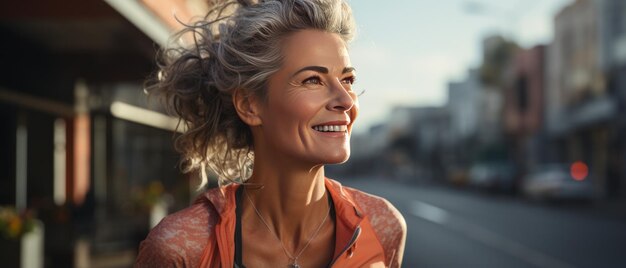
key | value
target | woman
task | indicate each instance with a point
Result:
(267, 99)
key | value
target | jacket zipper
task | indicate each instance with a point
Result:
(355, 235)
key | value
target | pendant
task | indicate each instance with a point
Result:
(294, 265)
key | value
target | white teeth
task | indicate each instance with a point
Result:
(327, 128)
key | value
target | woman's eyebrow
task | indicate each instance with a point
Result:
(324, 70)
(348, 69)
(318, 69)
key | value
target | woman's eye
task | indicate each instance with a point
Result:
(312, 80)
(349, 80)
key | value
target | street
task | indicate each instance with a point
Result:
(460, 228)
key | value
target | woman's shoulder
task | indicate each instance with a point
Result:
(387, 222)
(180, 238)
(378, 209)
(375, 207)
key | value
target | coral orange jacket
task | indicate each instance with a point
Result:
(369, 232)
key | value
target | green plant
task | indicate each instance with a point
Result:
(14, 225)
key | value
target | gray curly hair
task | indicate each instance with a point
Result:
(236, 46)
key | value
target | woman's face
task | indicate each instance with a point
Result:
(311, 105)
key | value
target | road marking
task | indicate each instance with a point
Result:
(442, 217)
(429, 212)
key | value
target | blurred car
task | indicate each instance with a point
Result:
(457, 176)
(495, 176)
(557, 182)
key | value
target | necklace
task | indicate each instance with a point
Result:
(291, 257)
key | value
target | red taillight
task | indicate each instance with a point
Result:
(579, 170)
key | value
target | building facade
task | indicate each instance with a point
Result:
(582, 102)
(524, 109)
(80, 144)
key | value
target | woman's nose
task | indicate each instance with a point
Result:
(342, 99)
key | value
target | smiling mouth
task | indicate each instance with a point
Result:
(331, 128)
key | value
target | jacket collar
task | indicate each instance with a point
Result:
(347, 214)
(348, 217)
(223, 200)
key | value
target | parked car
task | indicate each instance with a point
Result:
(493, 176)
(557, 182)
(457, 176)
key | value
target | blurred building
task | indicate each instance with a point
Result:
(581, 103)
(371, 142)
(463, 104)
(80, 144)
(431, 128)
(612, 26)
(524, 108)
(399, 155)
(495, 71)
(417, 139)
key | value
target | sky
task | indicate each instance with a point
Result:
(406, 51)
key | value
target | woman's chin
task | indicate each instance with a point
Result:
(338, 159)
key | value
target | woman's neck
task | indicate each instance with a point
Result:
(292, 201)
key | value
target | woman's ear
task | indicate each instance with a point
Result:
(248, 107)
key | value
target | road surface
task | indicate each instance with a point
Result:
(460, 228)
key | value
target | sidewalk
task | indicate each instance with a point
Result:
(120, 259)
(611, 209)
(85, 257)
